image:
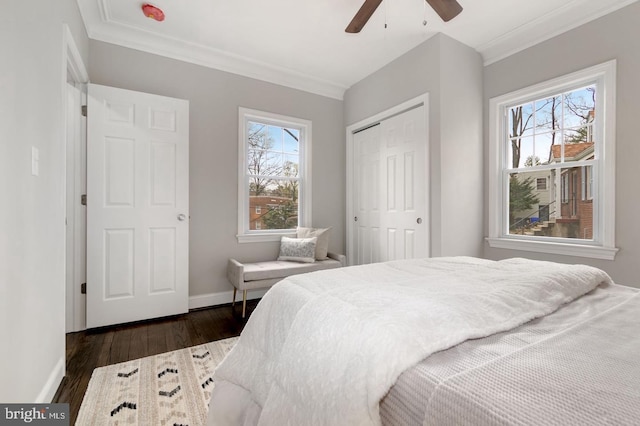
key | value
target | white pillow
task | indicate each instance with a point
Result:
(298, 249)
(322, 234)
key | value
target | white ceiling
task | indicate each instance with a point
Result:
(302, 43)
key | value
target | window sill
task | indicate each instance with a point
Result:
(264, 238)
(553, 247)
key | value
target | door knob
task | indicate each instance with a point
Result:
(181, 217)
(419, 220)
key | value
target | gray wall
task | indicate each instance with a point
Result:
(452, 75)
(32, 231)
(615, 36)
(214, 98)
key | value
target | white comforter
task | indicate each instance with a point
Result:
(323, 348)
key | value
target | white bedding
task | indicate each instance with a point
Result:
(324, 348)
(578, 365)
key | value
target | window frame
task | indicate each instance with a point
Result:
(603, 170)
(245, 234)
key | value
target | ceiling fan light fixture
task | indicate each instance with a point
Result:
(153, 12)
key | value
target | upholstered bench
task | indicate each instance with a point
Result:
(251, 276)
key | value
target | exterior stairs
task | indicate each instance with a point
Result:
(542, 228)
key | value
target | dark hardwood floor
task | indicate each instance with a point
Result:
(90, 349)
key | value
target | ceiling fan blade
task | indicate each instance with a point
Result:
(366, 10)
(447, 9)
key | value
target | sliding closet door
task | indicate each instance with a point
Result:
(367, 195)
(390, 187)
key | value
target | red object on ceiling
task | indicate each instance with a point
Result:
(150, 11)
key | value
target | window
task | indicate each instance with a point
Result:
(541, 184)
(559, 132)
(564, 187)
(274, 186)
(587, 183)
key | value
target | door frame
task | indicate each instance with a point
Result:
(73, 68)
(421, 100)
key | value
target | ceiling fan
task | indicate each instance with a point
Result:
(447, 9)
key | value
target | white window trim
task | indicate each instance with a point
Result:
(603, 246)
(245, 235)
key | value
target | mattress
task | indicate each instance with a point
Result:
(578, 365)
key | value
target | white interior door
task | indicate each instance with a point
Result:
(137, 206)
(75, 212)
(390, 189)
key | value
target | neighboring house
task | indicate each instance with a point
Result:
(574, 193)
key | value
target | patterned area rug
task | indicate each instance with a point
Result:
(172, 388)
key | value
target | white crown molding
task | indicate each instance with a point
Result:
(101, 27)
(546, 27)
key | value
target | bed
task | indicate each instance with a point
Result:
(446, 341)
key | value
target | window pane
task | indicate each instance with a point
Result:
(548, 114)
(291, 166)
(291, 140)
(578, 135)
(258, 136)
(578, 151)
(520, 150)
(579, 107)
(277, 204)
(266, 163)
(258, 186)
(543, 144)
(276, 137)
(538, 208)
(521, 121)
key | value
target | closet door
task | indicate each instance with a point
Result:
(367, 195)
(390, 189)
(404, 186)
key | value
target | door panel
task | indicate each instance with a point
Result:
(119, 259)
(138, 206)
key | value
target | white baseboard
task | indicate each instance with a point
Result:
(221, 298)
(53, 382)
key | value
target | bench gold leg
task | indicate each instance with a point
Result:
(244, 302)
(235, 290)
